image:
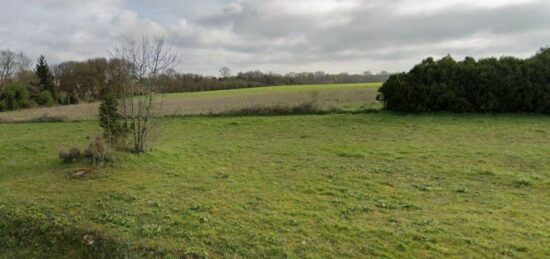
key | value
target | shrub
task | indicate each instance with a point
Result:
(15, 96)
(75, 153)
(488, 85)
(66, 99)
(50, 118)
(304, 108)
(45, 98)
(96, 151)
(70, 156)
(115, 131)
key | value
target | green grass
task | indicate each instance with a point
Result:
(378, 185)
(277, 89)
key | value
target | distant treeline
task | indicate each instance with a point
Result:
(505, 84)
(90, 79)
(87, 81)
(176, 82)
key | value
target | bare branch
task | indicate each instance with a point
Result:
(147, 59)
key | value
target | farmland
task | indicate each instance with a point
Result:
(274, 129)
(336, 185)
(335, 96)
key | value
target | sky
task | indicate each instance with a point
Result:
(281, 35)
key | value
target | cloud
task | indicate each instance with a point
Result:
(68, 29)
(282, 35)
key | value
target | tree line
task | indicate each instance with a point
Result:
(494, 85)
(87, 81)
(21, 87)
(181, 82)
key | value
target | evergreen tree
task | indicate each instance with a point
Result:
(42, 71)
(504, 84)
(114, 130)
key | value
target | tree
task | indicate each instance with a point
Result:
(225, 72)
(11, 65)
(504, 84)
(45, 76)
(114, 131)
(147, 59)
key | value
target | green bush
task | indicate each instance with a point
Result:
(115, 131)
(66, 99)
(45, 98)
(15, 96)
(489, 85)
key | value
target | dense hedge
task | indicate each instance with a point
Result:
(489, 85)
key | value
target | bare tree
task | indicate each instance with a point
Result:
(11, 64)
(225, 72)
(7, 65)
(146, 59)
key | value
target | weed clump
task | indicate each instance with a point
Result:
(304, 108)
(71, 155)
(96, 153)
(49, 118)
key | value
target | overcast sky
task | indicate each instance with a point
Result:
(281, 35)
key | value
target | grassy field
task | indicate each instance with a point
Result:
(335, 96)
(380, 185)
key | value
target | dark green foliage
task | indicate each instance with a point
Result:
(45, 76)
(15, 96)
(114, 130)
(45, 98)
(66, 99)
(489, 85)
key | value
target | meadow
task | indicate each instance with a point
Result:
(305, 186)
(344, 97)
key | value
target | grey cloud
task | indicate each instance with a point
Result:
(280, 36)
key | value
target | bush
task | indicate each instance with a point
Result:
(66, 99)
(50, 118)
(488, 85)
(115, 131)
(304, 108)
(96, 151)
(70, 156)
(15, 96)
(45, 98)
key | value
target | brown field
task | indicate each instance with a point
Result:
(342, 97)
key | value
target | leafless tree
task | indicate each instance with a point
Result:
(146, 59)
(11, 64)
(225, 72)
